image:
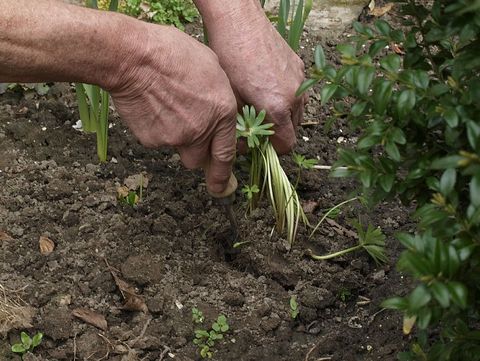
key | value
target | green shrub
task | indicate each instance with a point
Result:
(413, 97)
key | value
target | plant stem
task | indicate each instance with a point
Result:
(329, 212)
(335, 254)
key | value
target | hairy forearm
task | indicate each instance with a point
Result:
(48, 40)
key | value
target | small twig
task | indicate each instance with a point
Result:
(310, 122)
(328, 167)
(307, 356)
(109, 345)
(166, 349)
(75, 347)
(142, 333)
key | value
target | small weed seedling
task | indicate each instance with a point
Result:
(294, 307)
(205, 339)
(370, 239)
(27, 343)
(345, 294)
(197, 315)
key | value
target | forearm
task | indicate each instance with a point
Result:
(221, 12)
(48, 40)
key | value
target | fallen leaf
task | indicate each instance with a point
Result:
(133, 301)
(397, 48)
(46, 245)
(91, 317)
(371, 5)
(4, 236)
(136, 181)
(408, 323)
(309, 206)
(122, 192)
(382, 10)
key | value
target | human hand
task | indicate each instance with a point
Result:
(173, 92)
(262, 68)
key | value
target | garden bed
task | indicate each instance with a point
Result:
(170, 248)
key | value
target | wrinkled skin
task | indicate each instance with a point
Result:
(182, 98)
(262, 68)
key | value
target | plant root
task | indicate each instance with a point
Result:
(14, 312)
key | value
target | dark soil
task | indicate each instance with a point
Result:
(170, 248)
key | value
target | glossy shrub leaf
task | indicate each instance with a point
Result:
(451, 161)
(327, 92)
(347, 50)
(447, 181)
(473, 133)
(395, 303)
(451, 117)
(386, 182)
(419, 298)
(458, 293)
(364, 79)
(358, 108)
(475, 190)
(423, 317)
(405, 102)
(382, 92)
(441, 293)
(392, 150)
(383, 27)
(376, 47)
(391, 63)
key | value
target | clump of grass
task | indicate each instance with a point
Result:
(267, 174)
(14, 312)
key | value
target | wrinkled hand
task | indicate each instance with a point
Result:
(262, 69)
(173, 92)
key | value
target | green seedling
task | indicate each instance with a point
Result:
(294, 307)
(240, 244)
(197, 315)
(27, 343)
(344, 294)
(302, 163)
(267, 174)
(205, 339)
(291, 20)
(93, 103)
(250, 191)
(370, 239)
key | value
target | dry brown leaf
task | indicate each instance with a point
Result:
(91, 317)
(382, 10)
(309, 206)
(46, 245)
(133, 302)
(136, 181)
(122, 192)
(4, 236)
(397, 48)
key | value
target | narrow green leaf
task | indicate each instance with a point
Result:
(358, 108)
(307, 84)
(327, 92)
(320, 61)
(424, 316)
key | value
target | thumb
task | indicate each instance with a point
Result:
(222, 155)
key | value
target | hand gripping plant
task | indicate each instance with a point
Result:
(266, 173)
